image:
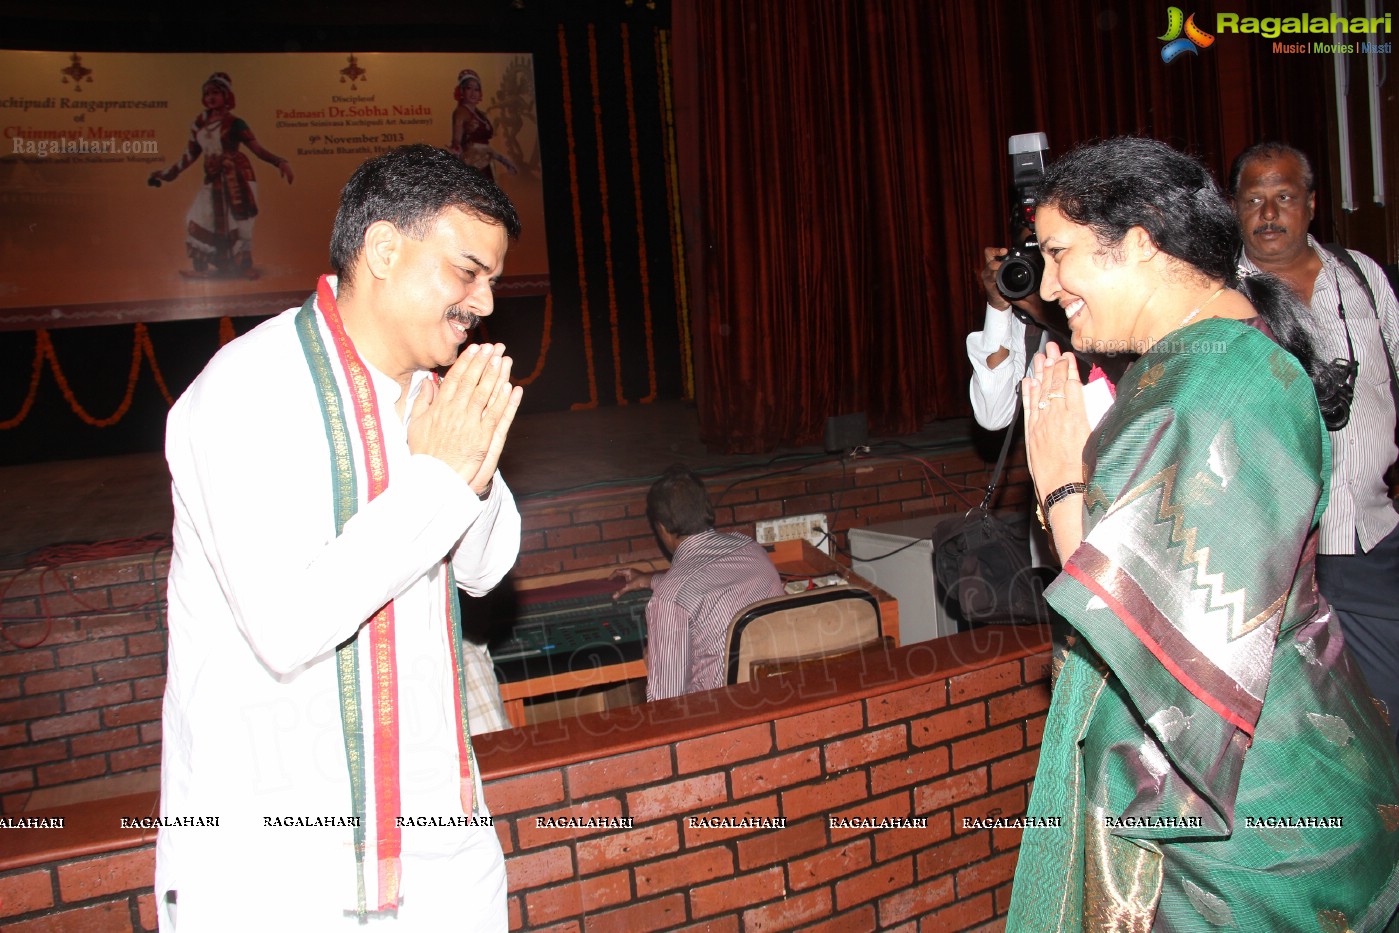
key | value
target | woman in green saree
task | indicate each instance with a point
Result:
(1212, 752)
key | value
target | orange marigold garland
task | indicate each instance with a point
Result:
(141, 346)
(577, 227)
(677, 234)
(149, 349)
(40, 339)
(640, 221)
(606, 218)
(544, 340)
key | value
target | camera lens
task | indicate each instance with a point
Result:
(1019, 275)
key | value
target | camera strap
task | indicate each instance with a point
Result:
(1345, 325)
(1033, 333)
(1343, 256)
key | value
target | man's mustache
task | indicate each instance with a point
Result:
(1269, 228)
(468, 319)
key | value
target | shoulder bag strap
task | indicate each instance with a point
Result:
(1032, 345)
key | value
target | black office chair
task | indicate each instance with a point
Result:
(784, 633)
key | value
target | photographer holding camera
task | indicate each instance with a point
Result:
(997, 351)
(1354, 321)
(1011, 279)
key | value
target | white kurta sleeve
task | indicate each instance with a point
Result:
(251, 479)
(491, 543)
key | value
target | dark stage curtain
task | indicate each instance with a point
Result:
(844, 161)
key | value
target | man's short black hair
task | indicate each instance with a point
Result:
(410, 187)
(1270, 150)
(678, 502)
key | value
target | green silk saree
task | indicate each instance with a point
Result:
(1212, 753)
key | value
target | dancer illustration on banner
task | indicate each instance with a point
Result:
(472, 129)
(219, 226)
(513, 106)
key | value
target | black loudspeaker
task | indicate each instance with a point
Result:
(846, 432)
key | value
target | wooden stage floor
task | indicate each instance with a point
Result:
(551, 455)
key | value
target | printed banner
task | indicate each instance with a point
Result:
(167, 186)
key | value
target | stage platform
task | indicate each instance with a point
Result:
(550, 455)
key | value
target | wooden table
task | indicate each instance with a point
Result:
(793, 560)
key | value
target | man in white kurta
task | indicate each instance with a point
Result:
(262, 590)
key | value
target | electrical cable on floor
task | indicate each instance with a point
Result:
(50, 561)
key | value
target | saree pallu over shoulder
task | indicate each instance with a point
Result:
(1212, 753)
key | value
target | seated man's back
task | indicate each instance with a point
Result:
(712, 577)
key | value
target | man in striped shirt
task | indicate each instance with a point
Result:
(712, 576)
(1353, 316)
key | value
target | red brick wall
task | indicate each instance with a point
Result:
(82, 672)
(602, 528)
(939, 731)
(948, 730)
(82, 661)
(109, 893)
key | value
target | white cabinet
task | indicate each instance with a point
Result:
(898, 557)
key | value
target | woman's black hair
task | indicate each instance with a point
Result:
(1279, 306)
(1117, 184)
(1284, 312)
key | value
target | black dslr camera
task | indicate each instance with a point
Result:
(1020, 272)
(1335, 388)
